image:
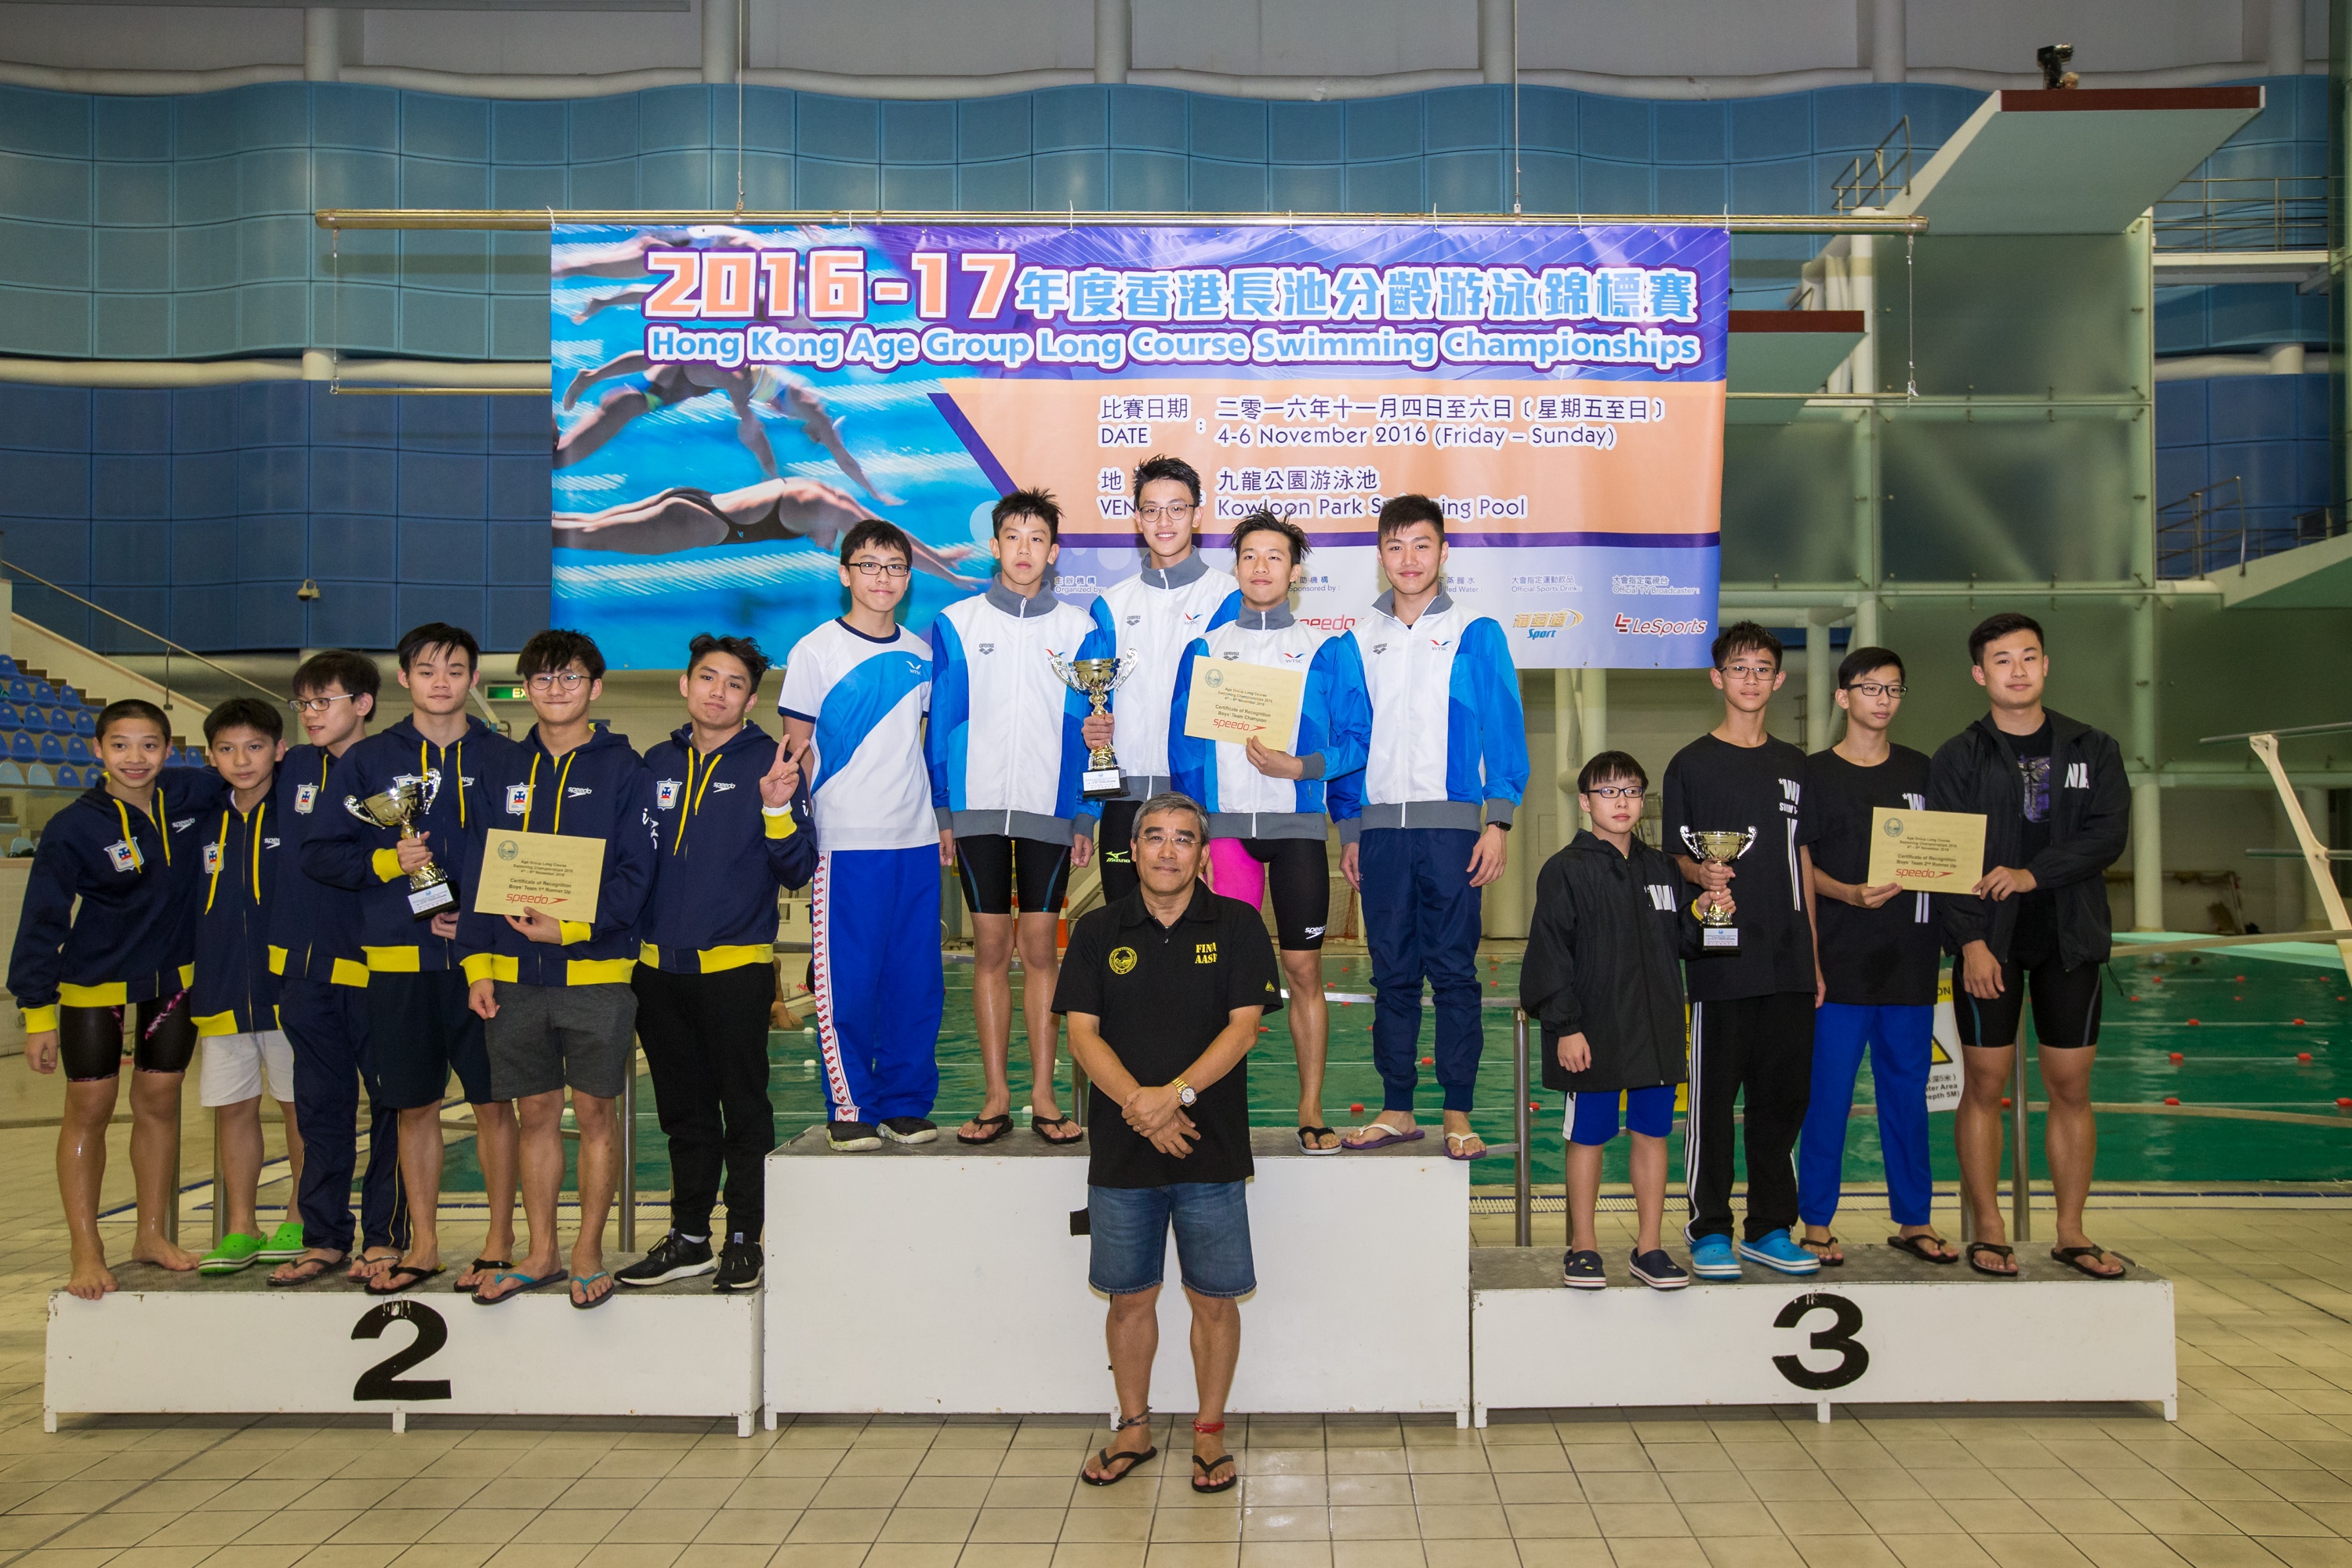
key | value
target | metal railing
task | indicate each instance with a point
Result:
(2244, 212)
(170, 647)
(1883, 171)
(2206, 532)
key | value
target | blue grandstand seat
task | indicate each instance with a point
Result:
(78, 749)
(44, 692)
(19, 689)
(7, 667)
(23, 748)
(67, 697)
(71, 776)
(9, 718)
(53, 748)
(35, 774)
(86, 723)
(10, 773)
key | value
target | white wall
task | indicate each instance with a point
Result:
(1696, 37)
(921, 38)
(1307, 38)
(2107, 34)
(493, 42)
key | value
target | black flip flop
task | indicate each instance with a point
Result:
(1124, 1459)
(1307, 1136)
(494, 1264)
(1038, 1124)
(1998, 1250)
(998, 1127)
(2072, 1257)
(318, 1267)
(1916, 1246)
(1209, 1468)
(1808, 1243)
(403, 1277)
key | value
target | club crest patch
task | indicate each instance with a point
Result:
(518, 800)
(305, 798)
(121, 856)
(666, 793)
(1122, 959)
(211, 859)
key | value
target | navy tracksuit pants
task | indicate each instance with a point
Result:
(1421, 921)
(327, 1026)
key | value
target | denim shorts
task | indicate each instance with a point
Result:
(1130, 1226)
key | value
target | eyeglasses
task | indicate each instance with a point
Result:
(1618, 792)
(891, 570)
(1174, 511)
(1750, 671)
(569, 679)
(1876, 688)
(319, 704)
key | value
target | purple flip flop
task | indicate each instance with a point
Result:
(1389, 1135)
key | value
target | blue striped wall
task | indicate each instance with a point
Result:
(2269, 431)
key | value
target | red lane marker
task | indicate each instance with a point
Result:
(2343, 1105)
(2303, 1056)
(2193, 1020)
(2176, 1056)
(2298, 1023)
(2170, 1099)
(2004, 1102)
(1355, 1110)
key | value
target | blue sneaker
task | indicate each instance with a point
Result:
(1773, 1249)
(1712, 1259)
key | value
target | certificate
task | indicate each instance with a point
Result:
(1232, 701)
(558, 873)
(1926, 851)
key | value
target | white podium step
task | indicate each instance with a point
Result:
(947, 1278)
(1885, 1329)
(183, 1344)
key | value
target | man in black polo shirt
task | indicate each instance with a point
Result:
(1163, 990)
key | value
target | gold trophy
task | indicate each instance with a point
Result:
(1719, 847)
(429, 892)
(1098, 678)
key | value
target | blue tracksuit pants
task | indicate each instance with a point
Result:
(1421, 921)
(875, 916)
(327, 1026)
(1900, 1040)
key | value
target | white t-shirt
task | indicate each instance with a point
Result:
(866, 697)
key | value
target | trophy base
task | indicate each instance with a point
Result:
(424, 903)
(1719, 939)
(1101, 783)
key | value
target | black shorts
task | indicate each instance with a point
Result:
(89, 1039)
(991, 864)
(2065, 1006)
(1296, 871)
(1115, 847)
(420, 1030)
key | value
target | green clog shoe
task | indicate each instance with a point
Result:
(235, 1252)
(284, 1242)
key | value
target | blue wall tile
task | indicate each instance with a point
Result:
(1151, 117)
(842, 127)
(918, 132)
(1228, 129)
(1307, 132)
(1067, 117)
(432, 126)
(989, 128)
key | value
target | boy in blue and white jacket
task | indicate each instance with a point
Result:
(1006, 791)
(1448, 735)
(1266, 793)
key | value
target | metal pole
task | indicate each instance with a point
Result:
(2020, 1161)
(626, 1234)
(1523, 1213)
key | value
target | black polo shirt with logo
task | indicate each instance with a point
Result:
(1162, 994)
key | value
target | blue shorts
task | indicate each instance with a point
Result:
(1130, 1228)
(1593, 1117)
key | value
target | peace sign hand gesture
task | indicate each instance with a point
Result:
(782, 779)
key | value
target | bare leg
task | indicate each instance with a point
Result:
(612, 416)
(631, 363)
(2069, 1140)
(1310, 1033)
(1039, 968)
(154, 1157)
(543, 1184)
(1977, 1135)
(1649, 1161)
(600, 1164)
(991, 1008)
(1133, 1333)
(1216, 1348)
(293, 1154)
(81, 1172)
(1584, 1196)
(420, 1173)
(238, 1128)
(497, 1142)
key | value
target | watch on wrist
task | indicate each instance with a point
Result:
(1185, 1093)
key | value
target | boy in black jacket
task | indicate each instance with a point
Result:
(2057, 808)
(731, 828)
(1603, 975)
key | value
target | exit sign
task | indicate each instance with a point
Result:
(506, 693)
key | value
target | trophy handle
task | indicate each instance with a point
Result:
(429, 789)
(1744, 849)
(352, 805)
(1064, 673)
(1691, 844)
(1128, 663)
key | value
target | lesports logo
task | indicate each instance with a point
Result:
(1122, 959)
(509, 850)
(1627, 627)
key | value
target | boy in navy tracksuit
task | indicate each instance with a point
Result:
(234, 998)
(419, 1028)
(314, 951)
(731, 828)
(1426, 823)
(127, 850)
(553, 992)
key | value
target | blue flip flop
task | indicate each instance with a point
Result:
(594, 1301)
(544, 1280)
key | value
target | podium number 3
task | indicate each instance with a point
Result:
(382, 1380)
(1854, 1357)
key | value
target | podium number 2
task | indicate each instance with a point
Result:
(1854, 1357)
(382, 1380)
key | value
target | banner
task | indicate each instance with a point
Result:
(730, 401)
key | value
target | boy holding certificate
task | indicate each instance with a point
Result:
(2057, 809)
(1878, 949)
(1264, 791)
(553, 993)
(1004, 758)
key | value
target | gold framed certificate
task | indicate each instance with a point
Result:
(558, 873)
(1926, 851)
(1232, 701)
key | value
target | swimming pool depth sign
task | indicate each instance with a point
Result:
(730, 400)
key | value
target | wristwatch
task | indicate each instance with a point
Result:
(1185, 1093)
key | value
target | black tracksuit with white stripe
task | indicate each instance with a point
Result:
(1752, 1011)
(1604, 960)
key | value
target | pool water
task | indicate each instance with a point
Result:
(2250, 1111)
